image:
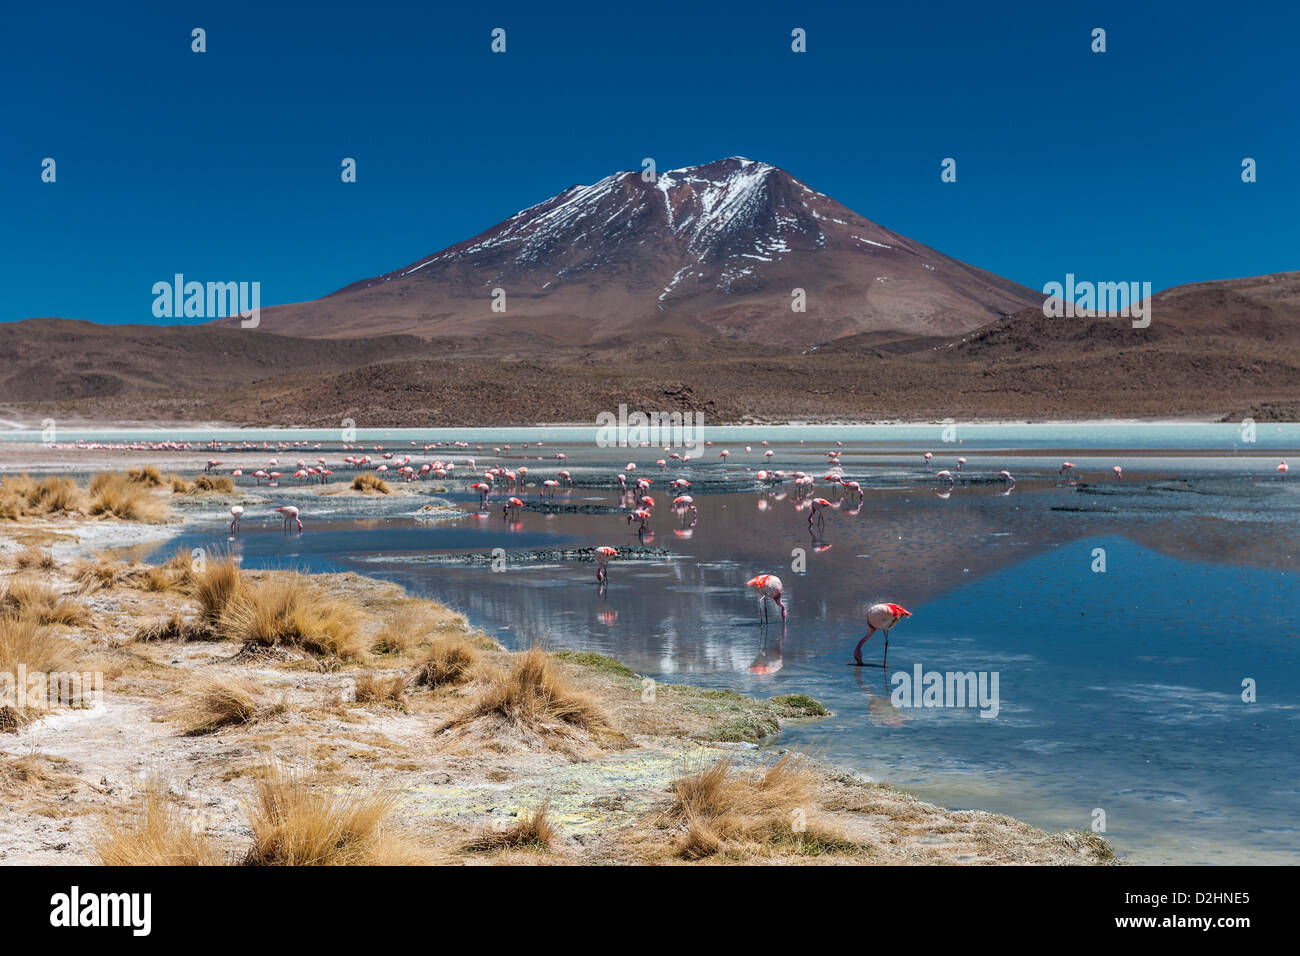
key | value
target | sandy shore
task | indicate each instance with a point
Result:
(612, 790)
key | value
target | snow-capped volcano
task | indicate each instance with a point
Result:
(718, 248)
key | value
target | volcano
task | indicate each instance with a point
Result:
(715, 250)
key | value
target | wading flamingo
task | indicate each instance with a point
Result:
(928, 456)
(1119, 473)
(767, 586)
(235, 512)
(816, 513)
(946, 474)
(289, 514)
(642, 516)
(512, 504)
(1282, 467)
(603, 554)
(880, 617)
(1067, 468)
(1007, 478)
(482, 487)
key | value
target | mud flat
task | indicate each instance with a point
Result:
(221, 685)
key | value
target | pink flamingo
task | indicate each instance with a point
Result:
(1067, 468)
(1007, 477)
(816, 513)
(1282, 468)
(880, 617)
(235, 512)
(946, 474)
(482, 487)
(289, 514)
(928, 456)
(642, 516)
(603, 554)
(512, 504)
(767, 586)
(1119, 473)
(960, 462)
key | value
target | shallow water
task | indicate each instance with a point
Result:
(1118, 690)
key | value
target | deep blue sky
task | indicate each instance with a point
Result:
(225, 165)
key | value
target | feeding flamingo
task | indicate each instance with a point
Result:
(816, 513)
(928, 456)
(880, 617)
(1006, 476)
(289, 514)
(642, 516)
(767, 586)
(1119, 473)
(235, 512)
(1067, 468)
(946, 474)
(482, 487)
(1282, 467)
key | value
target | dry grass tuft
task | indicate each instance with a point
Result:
(532, 698)
(175, 628)
(297, 824)
(24, 597)
(371, 484)
(725, 808)
(223, 702)
(25, 642)
(114, 495)
(158, 835)
(147, 475)
(205, 484)
(25, 497)
(535, 831)
(448, 661)
(289, 610)
(375, 689)
(33, 558)
(215, 585)
(95, 575)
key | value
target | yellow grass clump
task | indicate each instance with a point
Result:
(147, 475)
(222, 702)
(33, 557)
(371, 484)
(159, 834)
(94, 575)
(532, 831)
(216, 583)
(114, 495)
(25, 641)
(289, 610)
(449, 660)
(25, 597)
(297, 824)
(531, 698)
(724, 807)
(25, 497)
(379, 689)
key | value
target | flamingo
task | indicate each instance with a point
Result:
(927, 456)
(512, 504)
(948, 475)
(565, 477)
(1119, 473)
(603, 554)
(482, 487)
(767, 586)
(642, 516)
(1067, 468)
(817, 505)
(960, 462)
(235, 512)
(548, 488)
(1006, 476)
(880, 617)
(289, 513)
(1282, 467)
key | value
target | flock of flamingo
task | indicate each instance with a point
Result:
(881, 617)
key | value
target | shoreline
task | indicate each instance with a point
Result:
(607, 791)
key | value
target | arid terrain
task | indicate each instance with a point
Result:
(1213, 351)
(273, 717)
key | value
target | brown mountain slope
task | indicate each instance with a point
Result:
(713, 249)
